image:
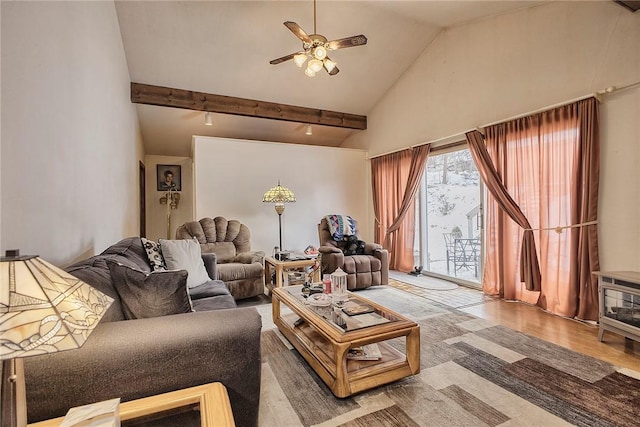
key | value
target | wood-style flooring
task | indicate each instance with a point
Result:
(531, 320)
(571, 334)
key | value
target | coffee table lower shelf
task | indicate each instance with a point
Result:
(344, 376)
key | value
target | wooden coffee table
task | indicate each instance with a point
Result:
(324, 344)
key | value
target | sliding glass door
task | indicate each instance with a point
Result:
(449, 217)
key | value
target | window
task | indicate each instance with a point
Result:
(449, 211)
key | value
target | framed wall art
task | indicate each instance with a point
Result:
(169, 177)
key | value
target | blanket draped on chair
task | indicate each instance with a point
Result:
(341, 226)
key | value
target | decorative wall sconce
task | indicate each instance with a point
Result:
(171, 199)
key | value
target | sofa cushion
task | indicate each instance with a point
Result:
(236, 271)
(143, 295)
(185, 255)
(153, 253)
(219, 302)
(361, 264)
(212, 288)
(130, 249)
(100, 279)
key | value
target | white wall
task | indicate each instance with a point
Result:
(157, 213)
(514, 63)
(231, 176)
(70, 137)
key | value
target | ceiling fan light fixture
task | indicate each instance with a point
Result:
(315, 65)
(208, 119)
(329, 64)
(300, 59)
(316, 46)
(320, 52)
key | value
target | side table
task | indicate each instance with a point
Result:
(280, 267)
(211, 400)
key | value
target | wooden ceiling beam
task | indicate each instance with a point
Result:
(200, 101)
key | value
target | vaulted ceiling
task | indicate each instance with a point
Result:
(224, 48)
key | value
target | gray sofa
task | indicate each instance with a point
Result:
(131, 359)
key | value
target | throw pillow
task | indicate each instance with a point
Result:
(185, 255)
(155, 294)
(153, 253)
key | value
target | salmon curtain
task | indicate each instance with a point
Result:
(395, 178)
(549, 164)
(529, 266)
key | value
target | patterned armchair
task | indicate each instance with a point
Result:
(363, 270)
(241, 269)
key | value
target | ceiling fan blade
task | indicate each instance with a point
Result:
(299, 32)
(347, 42)
(283, 59)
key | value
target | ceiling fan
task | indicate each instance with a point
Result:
(315, 47)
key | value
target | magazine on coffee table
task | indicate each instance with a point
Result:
(366, 352)
(362, 320)
(353, 309)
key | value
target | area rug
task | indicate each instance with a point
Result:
(473, 373)
(424, 282)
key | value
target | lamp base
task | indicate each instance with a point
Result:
(13, 398)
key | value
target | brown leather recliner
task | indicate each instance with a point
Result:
(364, 270)
(241, 269)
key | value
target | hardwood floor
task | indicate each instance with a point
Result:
(571, 334)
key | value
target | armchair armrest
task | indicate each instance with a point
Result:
(330, 259)
(211, 264)
(329, 250)
(370, 248)
(383, 255)
(250, 257)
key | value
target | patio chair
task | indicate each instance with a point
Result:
(466, 254)
(449, 244)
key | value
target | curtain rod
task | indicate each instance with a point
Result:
(599, 95)
(433, 141)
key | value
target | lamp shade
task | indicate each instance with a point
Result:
(320, 52)
(44, 309)
(315, 65)
(279, 194)
(329, 64)
(300, 59)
